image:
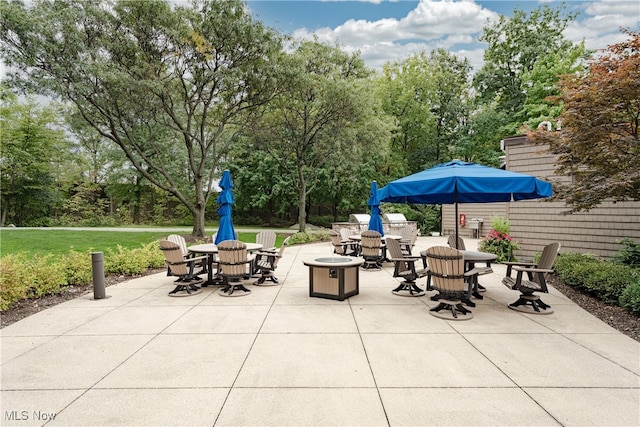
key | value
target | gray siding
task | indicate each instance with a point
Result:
(536, 223)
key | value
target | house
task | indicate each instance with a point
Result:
(535, 223)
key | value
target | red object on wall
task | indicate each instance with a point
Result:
(462, 220)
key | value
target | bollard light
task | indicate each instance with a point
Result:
(97, 259)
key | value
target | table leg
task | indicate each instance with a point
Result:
(210, 280)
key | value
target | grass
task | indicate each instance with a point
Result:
(59, 242)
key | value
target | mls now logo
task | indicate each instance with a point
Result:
(26, 415)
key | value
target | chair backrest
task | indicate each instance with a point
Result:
(173, 257)
(180, 241)
(371, 243)
(394, 249)
(336, 241)
(548, 258)
(280, 252)
(456, 244)
(409, 233)
(232, 257)
(345, 233)
(266, 238)
(446, 267)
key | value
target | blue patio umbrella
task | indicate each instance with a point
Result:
(375, 221)
(463, 182)
(225, 200)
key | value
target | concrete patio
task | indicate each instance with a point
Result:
(278, 357)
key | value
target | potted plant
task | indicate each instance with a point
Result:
(499, 241)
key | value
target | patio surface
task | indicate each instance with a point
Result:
(278, 357)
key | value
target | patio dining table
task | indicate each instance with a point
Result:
(211, 250)
(470, 260)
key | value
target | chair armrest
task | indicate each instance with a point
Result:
(533, 269)
(267, 254)
(512, 264)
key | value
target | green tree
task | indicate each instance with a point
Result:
(165, 84)
(542, 83)
(429, 97)
(319, 118)
(34, 152)
(599, 144)
(515, 45)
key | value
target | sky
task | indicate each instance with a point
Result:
(386, 31)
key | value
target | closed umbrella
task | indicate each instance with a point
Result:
(463, 182)
(375, 221)
(225, 200)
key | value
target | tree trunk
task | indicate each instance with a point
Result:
(302, 214)
(198, 222)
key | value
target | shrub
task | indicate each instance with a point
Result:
(133, 261)
(15, 273)
(78, 267)
(630, 298)
(49, 277)
(500, 224)
(629, 254)
(320, 235)
(23, 276)
(606, 280)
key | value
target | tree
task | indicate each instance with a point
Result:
(34, 152)
(319, 117)
(599, 145)
(515, 45)
(167, 85)
(429, 97)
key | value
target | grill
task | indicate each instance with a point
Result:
(395, 219)
(361, 219)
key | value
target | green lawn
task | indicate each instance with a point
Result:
(56, 242)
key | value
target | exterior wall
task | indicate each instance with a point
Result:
(535, 223)
(472, 210)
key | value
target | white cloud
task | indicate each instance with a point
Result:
(600, 22)
(456, 25)
(432, 24)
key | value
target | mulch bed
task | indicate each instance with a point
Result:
(617, 317)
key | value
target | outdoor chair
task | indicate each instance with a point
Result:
(353, 245)
(535, 281)
(267, 239)
(183, 268)
(233, 263)
(446, 268)
(267, 262)
(371, 249)
(340, 246)
(182, 244)
(409, 237)
(405, 267)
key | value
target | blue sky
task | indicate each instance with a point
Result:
(386, 31)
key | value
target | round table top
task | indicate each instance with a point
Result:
(210, 248)
(476, 256)
(334, 262)
(386, 236)
(473, 256)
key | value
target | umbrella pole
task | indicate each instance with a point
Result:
(456, 219)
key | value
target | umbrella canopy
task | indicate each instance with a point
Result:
(225, 200)
(375, 222)
(462, 182)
